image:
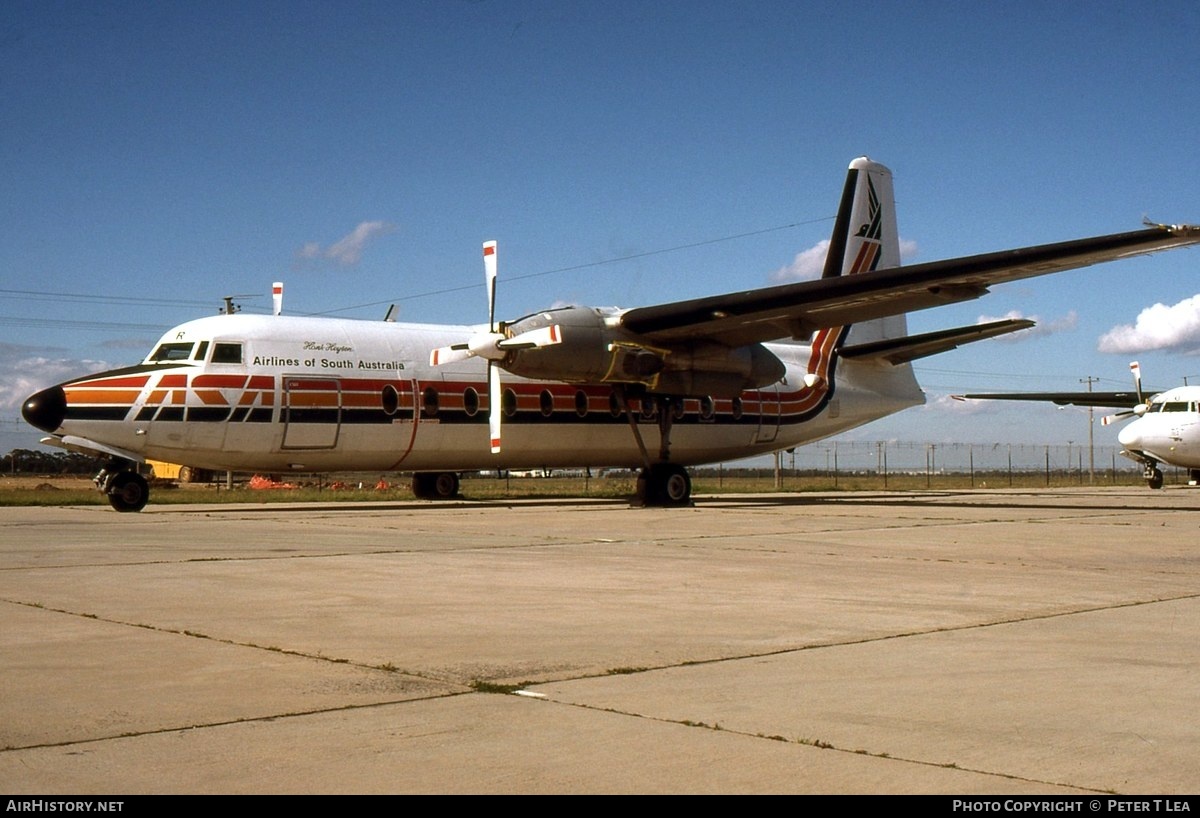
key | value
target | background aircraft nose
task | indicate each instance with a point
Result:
(1130, 436)
(46, 409)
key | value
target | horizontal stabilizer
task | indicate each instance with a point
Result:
(909, 348)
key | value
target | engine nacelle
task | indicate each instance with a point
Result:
(595, 350)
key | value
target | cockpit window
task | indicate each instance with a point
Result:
(201, 350)
(172, 352)
(226, 353)
(1170, 406)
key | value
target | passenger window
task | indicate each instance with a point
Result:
(227, 353)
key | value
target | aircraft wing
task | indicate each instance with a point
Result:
(81, 445)
(1116, 400)
(796, 310)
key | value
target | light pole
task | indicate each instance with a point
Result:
(1089, 380)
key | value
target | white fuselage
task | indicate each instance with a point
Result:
(279, 394)
(1169, 430)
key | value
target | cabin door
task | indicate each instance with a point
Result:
(768, 414)
(312, 412)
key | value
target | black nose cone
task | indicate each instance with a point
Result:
(46, 409)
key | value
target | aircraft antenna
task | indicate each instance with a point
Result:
(230, 306)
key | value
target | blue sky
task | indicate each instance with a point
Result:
(156, 157)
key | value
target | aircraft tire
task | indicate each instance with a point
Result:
(664, 485)
(128, 491)
(435, 485)
(445, 485)
(1155, 480)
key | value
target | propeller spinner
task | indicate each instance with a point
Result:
(494, 346)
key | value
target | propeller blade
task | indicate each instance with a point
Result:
(449, 355)
(495, 410)
(1136, 369)
(1119, 416)
(489, 276)
(277, 297)
(534, 339)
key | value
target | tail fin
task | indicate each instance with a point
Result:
(865, 238)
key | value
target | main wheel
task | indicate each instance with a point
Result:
(445, 485)
(435, 485)
(128, 491)
(664, 484)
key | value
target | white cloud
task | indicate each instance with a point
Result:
(806, 266)
(347, 251)
(24, 371)
(1159, 327)
(1042, 329)
(809, 264)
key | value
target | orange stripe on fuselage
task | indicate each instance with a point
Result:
(219, 381)
(211, 397)
(311, 399)
(826, 341)
(95, 396)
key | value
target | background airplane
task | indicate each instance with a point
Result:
(1165, 429)
(656, 388)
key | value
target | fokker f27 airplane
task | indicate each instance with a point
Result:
(657, 388)
(1166, 428)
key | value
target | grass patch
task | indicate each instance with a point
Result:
(492, 687)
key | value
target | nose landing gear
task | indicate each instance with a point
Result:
(126, 489)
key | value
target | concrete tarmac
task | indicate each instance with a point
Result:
(984, 642)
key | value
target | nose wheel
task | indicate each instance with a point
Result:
(126, 490)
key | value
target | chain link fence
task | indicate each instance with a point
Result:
(911, 463)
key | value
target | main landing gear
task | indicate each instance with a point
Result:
(430, 485)
(126, 489)
(664, 484)
(660, 483)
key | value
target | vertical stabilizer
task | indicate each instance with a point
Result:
(865, 238)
